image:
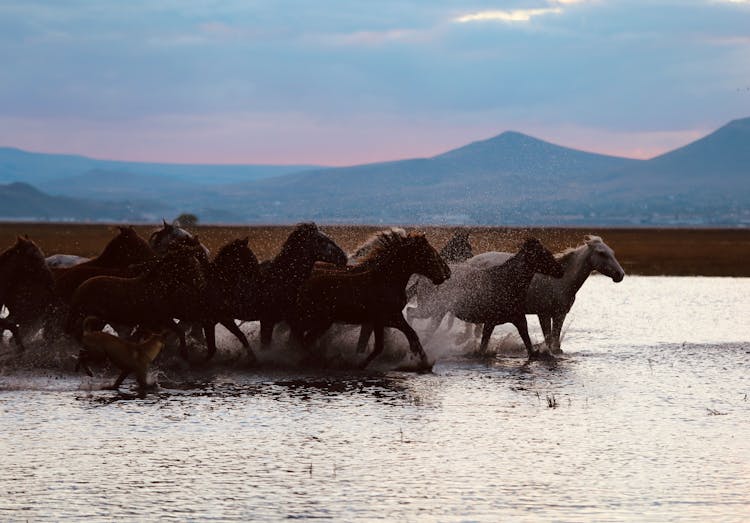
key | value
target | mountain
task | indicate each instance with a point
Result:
(21, 201)
(501, 180)
(40, 168)
(511, 178)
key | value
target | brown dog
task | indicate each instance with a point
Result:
(128, 356)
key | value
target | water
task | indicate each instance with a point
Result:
(646, 418)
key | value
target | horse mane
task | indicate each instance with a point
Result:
(373, 241)
(381, 246)
(589, 241)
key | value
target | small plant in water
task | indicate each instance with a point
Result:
(551, 401)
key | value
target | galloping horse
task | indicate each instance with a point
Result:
(281, 277)
(457, 249)
(27, 289)
(124, 250)
(232, 278)
(494, 295)
(551, 299)
(168, 288)
(371, 292)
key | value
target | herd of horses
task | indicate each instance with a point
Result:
(139, 287)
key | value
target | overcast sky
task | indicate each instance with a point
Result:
(350, 81)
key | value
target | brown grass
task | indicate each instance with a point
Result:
(706, 252)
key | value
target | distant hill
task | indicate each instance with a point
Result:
(499, 180)
(41, 168)
(21, 201)
(511, 178)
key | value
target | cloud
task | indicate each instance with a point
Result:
(623, 66)
(515, 15)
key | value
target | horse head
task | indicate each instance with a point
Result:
(602, 259)
(426, 259)
(125, 249)
(540, 258)
(160, 239)
(308, 237)
(458, 248)
(22, 254)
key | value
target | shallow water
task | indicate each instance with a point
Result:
(646, 417)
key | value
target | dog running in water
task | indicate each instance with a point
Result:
(129, 357)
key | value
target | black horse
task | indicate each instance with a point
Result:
(280, 278)
(458, 248)
(27, 289)
(232, 280)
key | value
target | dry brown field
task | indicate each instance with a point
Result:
(647, 251)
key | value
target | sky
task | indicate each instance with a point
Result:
(341, 82)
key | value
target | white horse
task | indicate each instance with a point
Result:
(551, 299)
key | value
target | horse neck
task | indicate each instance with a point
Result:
(517, 269)
(577, 269)
(395, 269)
(229, 272)
(293, 264)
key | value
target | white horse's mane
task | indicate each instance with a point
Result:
(589, 240)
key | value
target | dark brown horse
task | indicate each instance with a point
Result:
(280, 278)
(232, 278)
(371, 292)
(124, 250)
(27, 290)
(171, 287)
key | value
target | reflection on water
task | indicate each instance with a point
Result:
(646, 417)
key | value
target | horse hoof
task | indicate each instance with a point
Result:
(541, 356)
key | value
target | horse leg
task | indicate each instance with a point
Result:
(266, 332)
(172, 325)
(486, 335)
(398, 322)
(232, 327)
(545, 321)
(523, 330)
(557, 324)
(119, 380)
(209, 331)
(378, 330)
(364, 336)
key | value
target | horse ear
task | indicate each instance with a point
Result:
(164, 223)
(246, 240)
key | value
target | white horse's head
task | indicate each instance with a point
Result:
(602, 258)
